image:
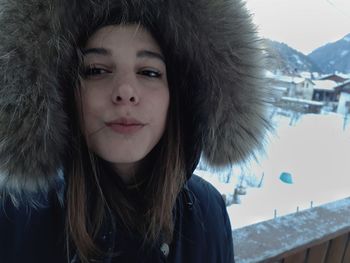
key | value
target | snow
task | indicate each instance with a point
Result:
(310, 102)
(339, 205)
(343, 75)
(315, 151)
(297, 58)
(305, 74)
(289, 79)
(344, 53)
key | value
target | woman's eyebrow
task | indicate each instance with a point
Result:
(139, 54)
(150, 54)
(98, 51)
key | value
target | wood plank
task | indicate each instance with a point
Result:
(346, 257)
(296, 258)
(317, 254)
(336, 249)
(315, 226)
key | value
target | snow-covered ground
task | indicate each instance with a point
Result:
(315, 151)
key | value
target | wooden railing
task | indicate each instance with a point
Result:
(317, 235)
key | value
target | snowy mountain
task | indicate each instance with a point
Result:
(333, 56)
(287, 60)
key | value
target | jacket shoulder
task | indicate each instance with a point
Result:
(205, 192)
(206, 224)
(37, 232)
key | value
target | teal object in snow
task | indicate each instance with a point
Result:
(286, 178)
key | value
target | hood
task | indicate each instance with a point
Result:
(224, 98)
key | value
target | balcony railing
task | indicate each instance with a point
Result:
(317, 235)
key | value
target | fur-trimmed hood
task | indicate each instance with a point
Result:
(223, 96)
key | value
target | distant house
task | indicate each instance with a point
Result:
(324, 90)
(304, 89)
(344, 98)
(296, 87)
(280, 89)
(301, 94)
(283, 83)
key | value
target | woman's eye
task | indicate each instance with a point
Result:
(94, 71)
(150, 73)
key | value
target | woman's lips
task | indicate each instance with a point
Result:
(125, 125)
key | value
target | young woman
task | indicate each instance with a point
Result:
(106, 108)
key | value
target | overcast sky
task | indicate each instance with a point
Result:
(302, 24)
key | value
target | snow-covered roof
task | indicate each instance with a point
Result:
(306, 74)
(337, 77)
(344, 75)
(290, 79)
(327, 85)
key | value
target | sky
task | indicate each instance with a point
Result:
(302, 24)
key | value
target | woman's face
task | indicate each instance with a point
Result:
(124, 95)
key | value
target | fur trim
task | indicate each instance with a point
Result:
(31, 115)
(213, 40)
(229, 93)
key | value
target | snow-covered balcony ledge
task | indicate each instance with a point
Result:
(319, 234)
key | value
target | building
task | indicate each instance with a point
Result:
(297, 87)
(344, 98)
(324, 90)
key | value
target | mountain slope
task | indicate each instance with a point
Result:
(333, 56)
(286, 59)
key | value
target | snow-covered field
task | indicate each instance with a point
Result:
(315, 151)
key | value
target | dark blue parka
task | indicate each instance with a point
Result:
(202, 232)
(214, 68)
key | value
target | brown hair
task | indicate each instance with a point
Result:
(94, 195)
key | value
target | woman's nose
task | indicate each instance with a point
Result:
(124, 92)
